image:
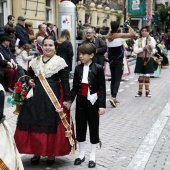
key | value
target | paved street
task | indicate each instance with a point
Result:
(135, 135)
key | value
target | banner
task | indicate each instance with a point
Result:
(149, 10)
(137, 8)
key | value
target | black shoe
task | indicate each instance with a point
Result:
(78, 161)
(92, 164)
(50, 162)
(35, 160)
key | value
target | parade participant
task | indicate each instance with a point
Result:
(40, 129)
(163, 52)
(89, 87)
(157, 63)
(144, 63)
(114, 42)
(9, 156)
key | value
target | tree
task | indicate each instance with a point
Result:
(119, 17)
(163, 13)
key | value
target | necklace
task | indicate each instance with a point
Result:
(46, 60)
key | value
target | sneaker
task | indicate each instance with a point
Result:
(116, 101)
(139, 94)
(112, 102)
(148, 94)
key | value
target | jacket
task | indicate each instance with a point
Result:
(101, 49)
(65, 50)
(6, 52)
(23, 58)
(51, 33)
(22, 34)
(7, 26)
(96, 81)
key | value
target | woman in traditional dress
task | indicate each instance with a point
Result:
(144, 63)
(162, 51)
(40, 130)
(9, 156)
(157, 63)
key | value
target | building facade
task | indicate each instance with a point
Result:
(36, 11)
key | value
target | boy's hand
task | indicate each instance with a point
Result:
(79, 62)
(101, 111)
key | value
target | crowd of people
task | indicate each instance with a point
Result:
(44, 126)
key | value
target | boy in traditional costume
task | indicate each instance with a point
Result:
(89, 87)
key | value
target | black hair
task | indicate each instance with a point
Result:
(10, 17)
(114, 26)
(31, 40)
(48, 24)
(87, 48)
(145, 27)
(49, 38)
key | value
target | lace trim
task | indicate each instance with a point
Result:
(50, 68)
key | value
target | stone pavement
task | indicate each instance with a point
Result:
(160, 157)
(123, 130)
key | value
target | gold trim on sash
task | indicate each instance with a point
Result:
(55, 102)
(2, 165)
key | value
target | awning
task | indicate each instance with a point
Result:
(160, 2)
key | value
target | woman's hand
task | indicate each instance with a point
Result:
(31, 83)
(101, 111)
(15, 66)
(67, 105)
(131, 30)
(10, 64)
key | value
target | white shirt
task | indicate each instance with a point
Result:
(91, 97)
(116, 42)
(152, 44)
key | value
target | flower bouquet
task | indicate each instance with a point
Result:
(18, 96)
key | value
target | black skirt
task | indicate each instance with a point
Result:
(38, 113)
(141, 69)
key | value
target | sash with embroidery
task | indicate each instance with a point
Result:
(3, 166)
(59, 109)
(145, 53)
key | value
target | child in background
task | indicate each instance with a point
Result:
(23, 56)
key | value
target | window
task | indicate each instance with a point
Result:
(49, 10)
(1, 15)
(4, 11)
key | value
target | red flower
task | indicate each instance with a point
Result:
(18, 89)
(24, 94)
(18, 84)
